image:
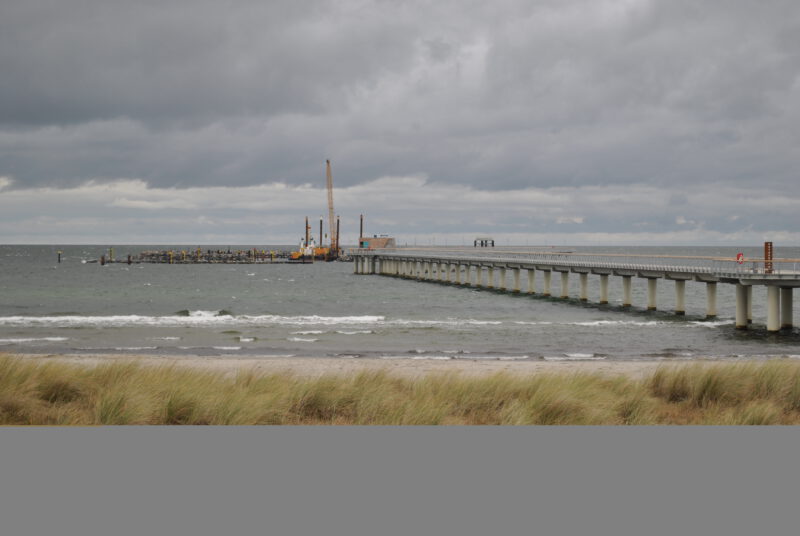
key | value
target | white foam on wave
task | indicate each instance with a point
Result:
(574, 357)
(165, 338)
(301, 339)
(231, 348)
(710, 324)
(356, 332)
(434, 357)
(616, 323)
(309, 332)
(33, 339)
(247, 339)
(193, 319)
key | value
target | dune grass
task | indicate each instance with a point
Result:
(53, 393)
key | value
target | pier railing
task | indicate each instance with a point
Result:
(718, 266)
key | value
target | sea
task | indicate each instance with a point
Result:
(325, 310)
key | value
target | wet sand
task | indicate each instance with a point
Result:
(410, 368)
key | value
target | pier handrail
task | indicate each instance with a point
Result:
(713, 265)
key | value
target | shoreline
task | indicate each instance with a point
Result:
(405, 367)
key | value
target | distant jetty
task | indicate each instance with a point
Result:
(207, 256)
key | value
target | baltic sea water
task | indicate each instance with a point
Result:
(324, 310)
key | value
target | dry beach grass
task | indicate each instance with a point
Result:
(60, 391)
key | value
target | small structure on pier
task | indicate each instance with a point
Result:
(484, 241)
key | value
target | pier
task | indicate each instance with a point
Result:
(504, 270)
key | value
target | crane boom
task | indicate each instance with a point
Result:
(332, 233)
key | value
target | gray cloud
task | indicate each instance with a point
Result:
(505, 96)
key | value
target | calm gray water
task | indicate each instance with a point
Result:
(323, 309)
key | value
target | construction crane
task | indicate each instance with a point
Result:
(334, 251)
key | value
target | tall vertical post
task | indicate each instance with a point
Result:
(531, 281)
(516, 272)
(564, 285)
(458, 274)
(490, 277)
(626, 291)
(786, 308)
(680, 297)
(603, 289)
(307, 229)
(767, 257)
(479, 276)
(773, 308)
(547, 280)
(741, 306)
(361, 231)
(652, 284)
(711, 301)
(749, 304)
(503, 279)
(584, 278)
(356, 263)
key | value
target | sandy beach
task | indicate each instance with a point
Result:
(409, 368)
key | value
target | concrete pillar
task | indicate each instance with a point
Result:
(490, 277)
(711, 301)
(741, 306)
(503, 279)
(773, 308)
(458, 274)
(427, 272)
(603, 289)
(547, 278)
(749, 304)
(652, 286)
(356, 261)
(565, 284)
(448, 268)
(584, 278)
(786, 308)
(479, 276)
(680, 297)
(626, 291)
(531, 281)
(516, 272)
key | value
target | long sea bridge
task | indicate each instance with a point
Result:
(489, 268)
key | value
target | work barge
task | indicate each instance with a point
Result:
(490, 270)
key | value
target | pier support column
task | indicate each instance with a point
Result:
(490, 277)
(626, 291)
(503, 279)
(773, 308)
(652, 286)
(603, 289)
(680, 297)
(547, 280)
(786, 308)
(531, 281)
(711, 301)
(749, 304)
(428, 273)
(741, 306)
(356, 262)
(479, 276)
(458, 274)
(584, 278)
(516, 280)
(564, 285)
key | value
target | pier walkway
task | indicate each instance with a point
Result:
(491, 268)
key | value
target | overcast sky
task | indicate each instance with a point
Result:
(543, 122)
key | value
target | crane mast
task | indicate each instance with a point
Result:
(332, 233)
